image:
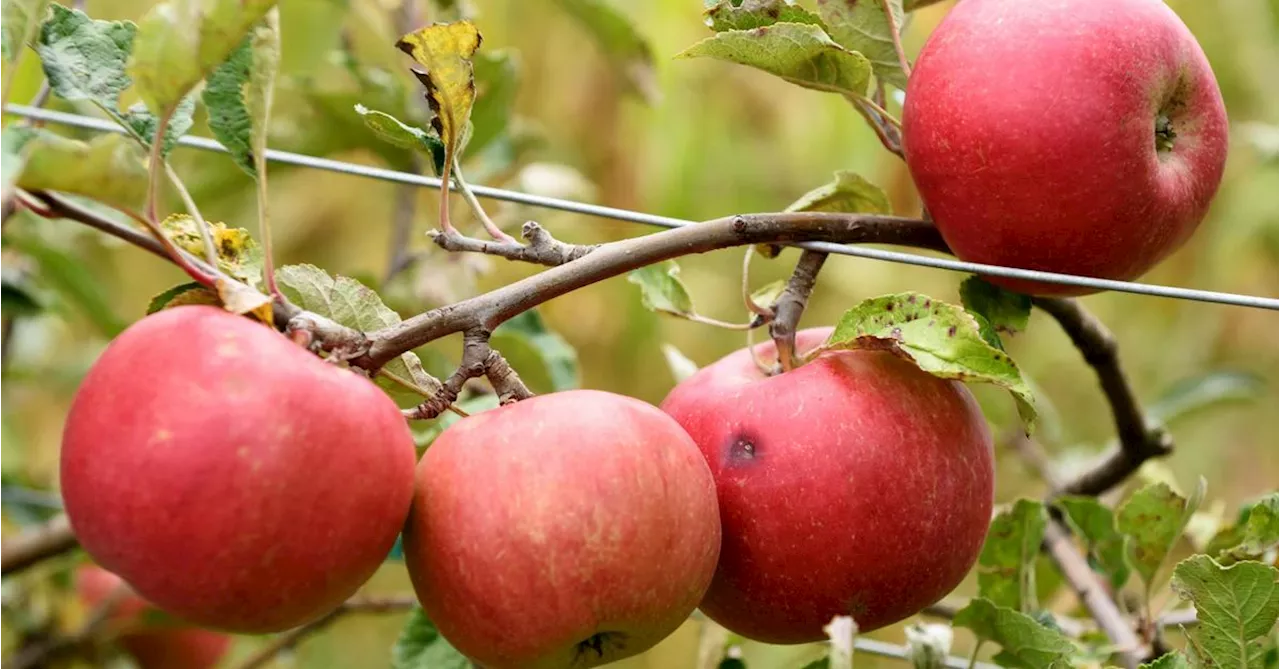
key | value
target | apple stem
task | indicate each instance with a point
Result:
(790, 306)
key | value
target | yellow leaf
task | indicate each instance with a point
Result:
(445, 50)
(241, 299)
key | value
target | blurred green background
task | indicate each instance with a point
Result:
(718, 139)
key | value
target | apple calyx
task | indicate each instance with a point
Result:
(1165, 134)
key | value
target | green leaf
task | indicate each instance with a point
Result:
(681, 366)
(1006, 566)
(769, 293)
(942, 339)
(19, 24)
(183, 294)
(1006, 310)
(354, 305)
(180, 41)
(18, 296)
(747, 14)
(1173, 660)
(661, 288)
(86, 59)
(393, 131)
(69, 278)
(224, 99)
(13, 142)
(1152, 519)
(1203, 392)
(264, 51)
(868, 27)
(421, 646)
(109, 168)
(1097, 524)
(544, 360)
(1252, 536)
(798, 52)
(1236, 608)
(849, 192)
(1024, 642)
(622, 43)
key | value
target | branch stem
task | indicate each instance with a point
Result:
(790, 306)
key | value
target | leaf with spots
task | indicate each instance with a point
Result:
(1007, 564)
(661, 288)
(545, 361)
(848, 193)
(355, 305)
(1151, 520)
(1024, 642)
(869, 27)
(446, 51)
(748, 14)
(239, 255)
(625, 47)
(421, 646)
(1236, 607)
(942, 339)
(1097, 524)
(1005, 310)
(800, 53)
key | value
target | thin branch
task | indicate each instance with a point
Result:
(1087, 586)
(491, 309)
(889, 136)
(34, 546)
(790, 306)
(896, 34)
(540, 247)
(292, 638)
(489, 226)
(478, 359)
(210, 251)
(154, 165)
(1139, 442)
(765, 314)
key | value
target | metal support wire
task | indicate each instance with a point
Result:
(383, 174)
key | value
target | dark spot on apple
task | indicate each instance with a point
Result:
(601, 644)
(742, 448)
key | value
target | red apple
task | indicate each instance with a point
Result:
(568, 530)
(1075, 136)
(234, 479)
(179, 647)
(854, 485)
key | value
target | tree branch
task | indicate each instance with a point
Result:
(541, 248)
(29, 548)
(292, 638)
(1138, 441)
(790, 306)
(1084, 581)
(478, 359)
(488, 311)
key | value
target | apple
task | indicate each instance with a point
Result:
(179, 647)
(855, 484)
(571, 529)
(234, 479)
(1082, 137)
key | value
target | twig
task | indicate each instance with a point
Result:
(1084, 581)
(32, 547)
(541, 248)
(478, 359)
(765, 314)
(292, 638)
(895, 32)
(489, 226)
(1138, 441)
(790, 306)
(491, 309)
(889, 135)
(210, 251)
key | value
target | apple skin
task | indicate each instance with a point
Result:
(166, 648)
(855, 485)
(232, 478)
(1030, 131)
(567, 530)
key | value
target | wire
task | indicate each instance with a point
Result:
(383, 174)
